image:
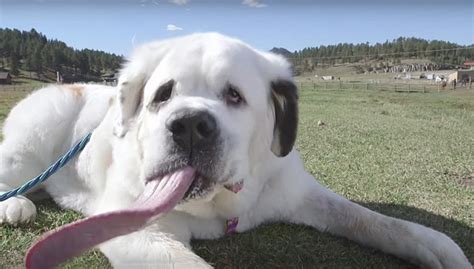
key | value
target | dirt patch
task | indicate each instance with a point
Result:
(462, 178)
(467, 181)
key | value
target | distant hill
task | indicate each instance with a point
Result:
(384, 55)
(381, 55)
(282, 51)
(34, 52)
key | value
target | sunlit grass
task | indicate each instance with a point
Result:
(405, 155)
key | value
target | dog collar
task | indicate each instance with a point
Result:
(231, 224)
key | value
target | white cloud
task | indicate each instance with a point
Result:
(145, 3)
(253, 3)
(179, 2)
(172, 27)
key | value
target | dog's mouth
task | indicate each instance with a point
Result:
(159, 197)
(200, 186)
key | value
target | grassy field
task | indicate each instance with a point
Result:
(408, 155)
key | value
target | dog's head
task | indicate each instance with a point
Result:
(206, 101)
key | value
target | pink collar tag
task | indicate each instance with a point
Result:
(231, 225)
(235, 188)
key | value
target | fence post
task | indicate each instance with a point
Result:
(314, 86)
(424, 89)
(367, 86)
(409, 88)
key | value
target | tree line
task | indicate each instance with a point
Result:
(33, 51)
(439, 52)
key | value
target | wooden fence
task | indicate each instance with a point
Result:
(396, 87)
(319, 85)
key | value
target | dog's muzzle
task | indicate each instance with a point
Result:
(194, 138)
(192, 131)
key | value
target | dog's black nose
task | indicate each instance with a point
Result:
(193, 129)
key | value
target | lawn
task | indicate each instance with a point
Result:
(407, 155)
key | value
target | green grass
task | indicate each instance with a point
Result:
(408, 155)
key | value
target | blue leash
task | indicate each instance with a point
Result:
(50, 171)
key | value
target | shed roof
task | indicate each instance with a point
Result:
(4, 75)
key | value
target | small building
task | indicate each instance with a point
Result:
(327, 77)
(461, 75)
(5, 78)
(110, 79)
(440, 78)
(430, 76)
(469, 64)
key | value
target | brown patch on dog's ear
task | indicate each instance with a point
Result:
(129, 97)
(285, 100)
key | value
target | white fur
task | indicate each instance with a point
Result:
(129, 141)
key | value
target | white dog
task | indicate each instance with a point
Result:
(216, 107)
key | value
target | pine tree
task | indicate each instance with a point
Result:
(37, 61)
(14, 64)
(40, 54)
(83, 63)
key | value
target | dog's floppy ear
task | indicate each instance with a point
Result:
(132, 80)
(130, 91)
(285, 100)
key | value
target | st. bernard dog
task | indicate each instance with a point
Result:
(213, 116)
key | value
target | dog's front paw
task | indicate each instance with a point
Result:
(446, 253)
(16, 210)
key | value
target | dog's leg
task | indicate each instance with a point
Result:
(15, 169)
(151, 249)
(16, 209)
(34, 133)
(319, 207)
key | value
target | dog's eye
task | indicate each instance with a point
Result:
(164, 96)
(164, 92)
(232, 96)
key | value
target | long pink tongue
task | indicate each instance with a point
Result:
(71, 240)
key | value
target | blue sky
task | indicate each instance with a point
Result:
(116, 25)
